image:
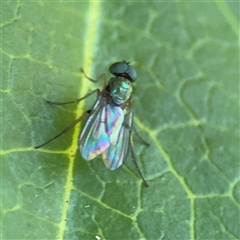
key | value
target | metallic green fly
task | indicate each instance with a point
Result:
(108, 128)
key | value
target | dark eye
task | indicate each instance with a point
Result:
(123, 68)
(118, 68)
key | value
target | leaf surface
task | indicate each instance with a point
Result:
(186, 103)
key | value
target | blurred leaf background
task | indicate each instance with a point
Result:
(186, 102)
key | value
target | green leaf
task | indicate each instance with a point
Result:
(186, 103)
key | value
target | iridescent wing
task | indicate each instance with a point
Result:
(116, 154)
(101, 128)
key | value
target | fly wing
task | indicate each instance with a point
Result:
(116, 154)
(100, 129)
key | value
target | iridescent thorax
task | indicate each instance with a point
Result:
(120, 89)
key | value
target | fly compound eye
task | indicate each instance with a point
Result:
(132, 73)
(123, 69)
(118, 68)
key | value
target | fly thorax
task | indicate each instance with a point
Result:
(120, 89)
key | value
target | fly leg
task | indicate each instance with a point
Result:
(102, 77)
(64, 130)
(135, 162)
(77, 100)
(140, 138)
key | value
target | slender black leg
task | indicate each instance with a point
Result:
(102, 77)
(77, 100)
(140, 138)
(85, 75)
(135, 162)
(64, 131)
